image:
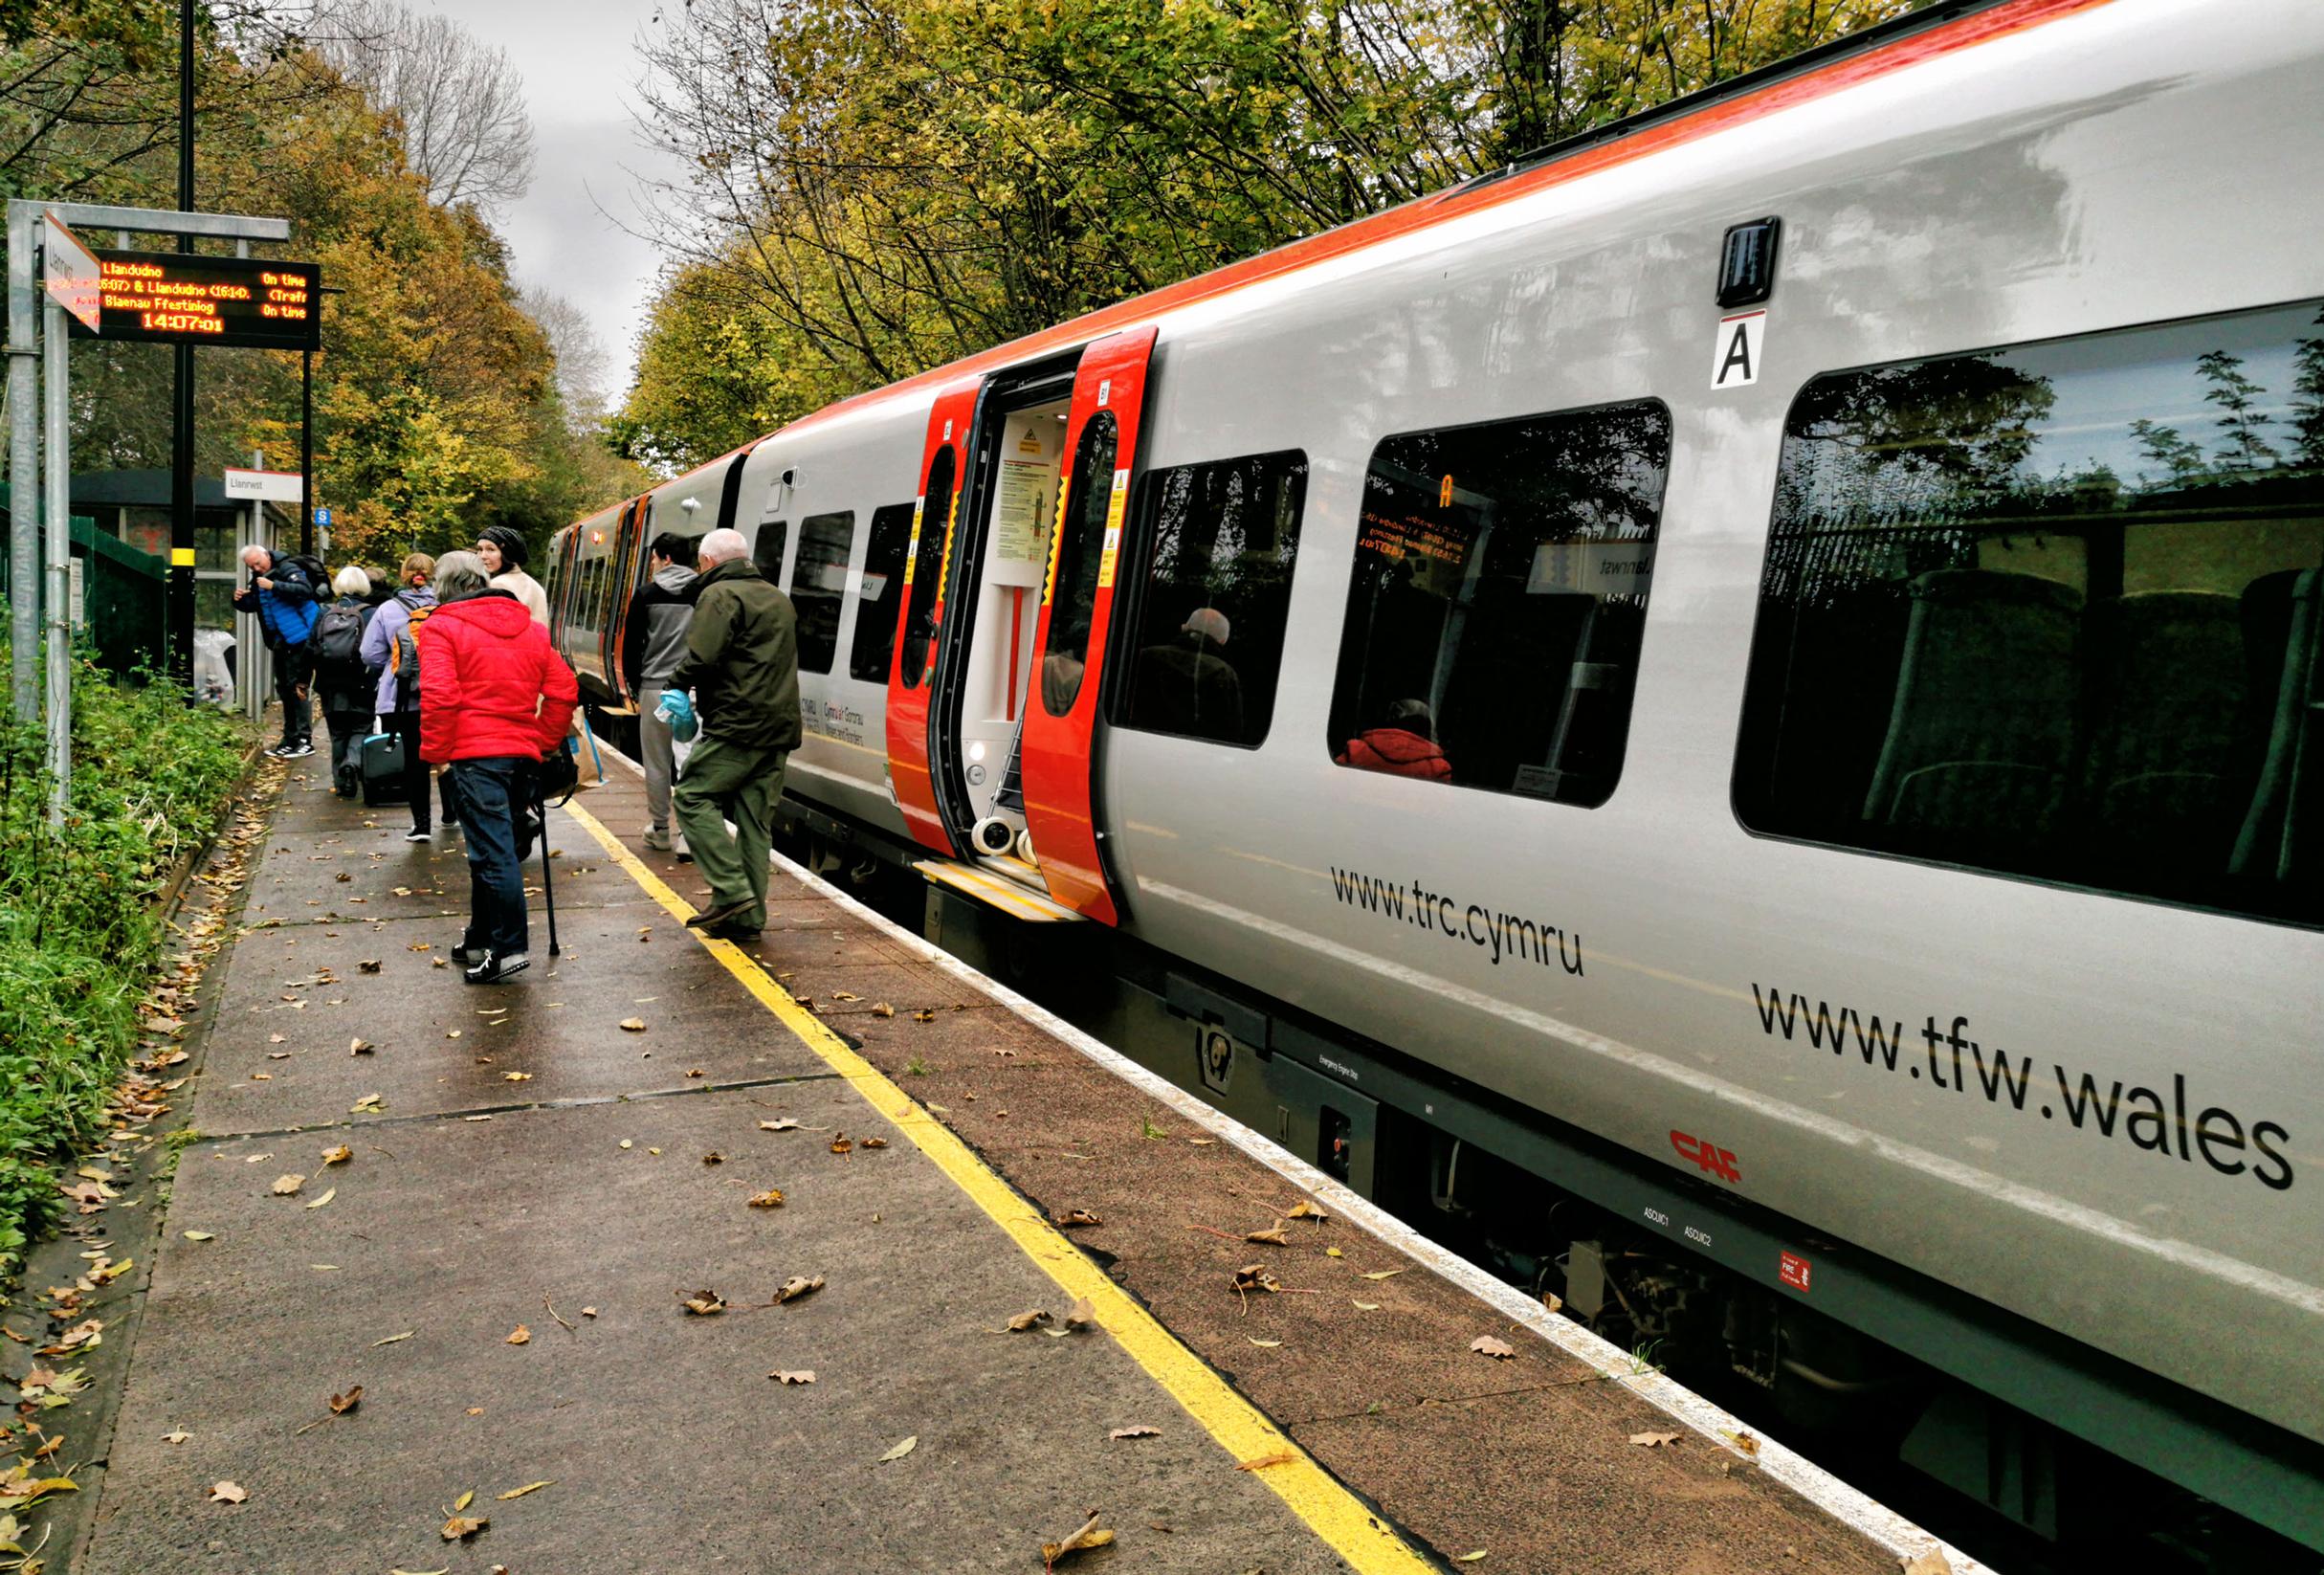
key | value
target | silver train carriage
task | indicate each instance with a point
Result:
(1764, 666)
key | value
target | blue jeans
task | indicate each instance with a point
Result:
(490, 790)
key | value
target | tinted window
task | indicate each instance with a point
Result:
(933, 525)
(1498, 599)
(1082, 558)
(2052, 610)
(766, 552)
(1207, 638)
(883, 567)
(819, 583)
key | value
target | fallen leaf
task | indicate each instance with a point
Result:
(1499, 1350)
(771, 1198)
(804, 1375)
(200, 1235)
(338, 1156)
(901, 1450)
(633, 1025)
(516, 1076)
(464, 1500)
(177, 1435)
(1140, 1430)
(329, 1192)
(341, 1404)
(703, 1303)
(588, 1312)
(369, 1102)
(1080, 1315)
(797, 1286)
(1479, 1557)
(1091, 1535)
(1932, 1562)
(519, 1336)
(462, 1527)
(361, 1047)
(628, 1143)
(286, 1187)
(1282, 1457)
(1272, 1237)
(1654, 1441)
(781, 1123)
(1072, 1217)
(845, 996)
(1264, 1344)
(881, 1142)
(842, 1143)
(1745, 1442)
(1254, 1277)
(228, 1493)
(1305, 1211)
(881, 1009)
(1383, 1274)
(1033, 1319)
(529, 1487)
(394, 1340)
(1367, 1306)
(714, 1157)
(368, 965)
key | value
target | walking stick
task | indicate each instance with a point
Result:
(549, 878)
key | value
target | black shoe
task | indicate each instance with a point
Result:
(296, 752)
(718, 912)
(419, 833)
(742, 933)
(490, 970)
(467, 954)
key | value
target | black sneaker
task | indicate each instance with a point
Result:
(419, 833)
(296, 752)
(718, 912)
(465, 954)
(732, 931)
(489, 969)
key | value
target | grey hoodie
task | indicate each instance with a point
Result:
(654, 641)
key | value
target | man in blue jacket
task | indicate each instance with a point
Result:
(283, 595)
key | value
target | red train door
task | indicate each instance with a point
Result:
(1077, 603)
(920, 612)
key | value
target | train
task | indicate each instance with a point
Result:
(1737, 702)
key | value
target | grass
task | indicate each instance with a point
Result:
(80, 930)
(916, 1067)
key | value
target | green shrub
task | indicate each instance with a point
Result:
(78, 927)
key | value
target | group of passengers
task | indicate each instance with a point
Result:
(451, 667)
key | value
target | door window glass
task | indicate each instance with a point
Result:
(2051, 611)
(883, 567)
(927, 564)
(1499, 600)
(819, 583)
(1080, 558)
(1206, 641)
(766, 552)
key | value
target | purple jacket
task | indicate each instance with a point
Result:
(379, 652)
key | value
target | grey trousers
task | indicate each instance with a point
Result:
(655, 741)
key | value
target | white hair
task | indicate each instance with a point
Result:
(719, 546)
(252, 552)
(458, 575)
(352, 581)
(1209, 622)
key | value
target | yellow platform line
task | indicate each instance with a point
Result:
(1333, 1513)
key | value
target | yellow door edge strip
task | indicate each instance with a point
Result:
(1329, 1508)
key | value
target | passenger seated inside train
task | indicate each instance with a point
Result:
(1187, 685)
(1062, 668)
(1403, 746)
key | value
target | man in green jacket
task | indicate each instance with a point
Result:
(741, 665)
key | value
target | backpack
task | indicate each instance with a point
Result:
(337, 640)
(407, 657)
(318, 578)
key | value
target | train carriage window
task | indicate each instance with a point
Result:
(1498, 601)
(883, 567)
(819, 583)
(1208, 635)
(766, 552)
(1080, 558)
(934, 524)
(2053, 611)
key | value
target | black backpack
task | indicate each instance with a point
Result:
(318, 578)
(337, 640)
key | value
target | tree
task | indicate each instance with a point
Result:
(581, 362)
(467, 132)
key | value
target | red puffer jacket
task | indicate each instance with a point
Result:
(1397, 751)
(488, 682)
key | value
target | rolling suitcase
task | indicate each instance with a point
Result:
(383, 756)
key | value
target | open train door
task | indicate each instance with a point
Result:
(920, 612)
(1077, 608)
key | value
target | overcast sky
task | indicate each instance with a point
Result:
(579, 59)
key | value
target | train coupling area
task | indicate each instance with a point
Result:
(815, 1252)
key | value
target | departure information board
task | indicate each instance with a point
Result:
(171, 298)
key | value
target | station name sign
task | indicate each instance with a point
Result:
(168, 297)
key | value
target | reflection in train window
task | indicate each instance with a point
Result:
(1499, 600)
(1080, 561)
(819, 583)
(766, 552)
(883, 567)
(2052, 610)
(932, 525)
(1208, 636)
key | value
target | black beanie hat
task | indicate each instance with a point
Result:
(510, 544)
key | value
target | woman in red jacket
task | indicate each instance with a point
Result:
(497, 699)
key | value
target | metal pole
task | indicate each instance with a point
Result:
(58, 508)
(23, 464)
(180, 620)
(306, 448)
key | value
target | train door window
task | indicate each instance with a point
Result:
(2052, 610)
(927, 566)
(1498, 601)
(819, 583)
(883, 567)
(1208, 635)
(1080, 555)
(766, 552)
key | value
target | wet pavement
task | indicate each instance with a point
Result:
(519, 1159)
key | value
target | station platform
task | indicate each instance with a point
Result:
(535, 1225)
